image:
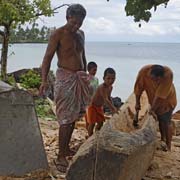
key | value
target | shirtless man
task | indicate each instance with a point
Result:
(94, 112)
(157, 82)
(71, 86)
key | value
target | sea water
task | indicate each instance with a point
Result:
(125, 57)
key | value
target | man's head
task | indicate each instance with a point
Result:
(75, 15)
(157, 73)
(109, 76)
(92, 68)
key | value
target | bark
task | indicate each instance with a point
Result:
(4, 52)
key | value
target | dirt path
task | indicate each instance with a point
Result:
(165, 165)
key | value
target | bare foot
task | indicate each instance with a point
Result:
(61, 164)
(162, 146)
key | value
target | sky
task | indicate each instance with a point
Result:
(107, 21)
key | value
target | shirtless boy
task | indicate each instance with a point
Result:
(71, 86)
(102, 95)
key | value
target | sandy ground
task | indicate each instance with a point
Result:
(165, 165)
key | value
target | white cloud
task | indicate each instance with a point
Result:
(108, 20)
(100, 25)
(148, 30)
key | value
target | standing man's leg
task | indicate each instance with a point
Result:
(68, 151)
(61, 162)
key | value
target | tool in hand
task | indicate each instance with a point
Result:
(135, 120)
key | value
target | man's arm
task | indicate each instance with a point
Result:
(138, 105)
(83, 53)
(51, 49)
(138, 89)
(84, 60)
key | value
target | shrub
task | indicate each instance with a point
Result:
(30, 80)
(43, 109)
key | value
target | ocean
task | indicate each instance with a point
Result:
(125, 57)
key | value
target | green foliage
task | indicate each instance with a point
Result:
(17, 12)
(13, 12)
(29, 34)
(30, 80)
(43, 109)
(140, 9)
(11, 80)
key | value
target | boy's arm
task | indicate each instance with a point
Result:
(107, 99)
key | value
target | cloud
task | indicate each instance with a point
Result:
(108, 20)
(100, 25)
(148, 30)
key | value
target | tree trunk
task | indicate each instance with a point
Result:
(4, 53)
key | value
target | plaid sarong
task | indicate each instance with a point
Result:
(72, 95)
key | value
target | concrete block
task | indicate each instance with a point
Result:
(21, 145)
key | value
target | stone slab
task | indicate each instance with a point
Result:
(21, 145)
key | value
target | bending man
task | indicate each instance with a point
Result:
(157, 81)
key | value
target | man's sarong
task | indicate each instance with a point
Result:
(72, 95)
(94, 114)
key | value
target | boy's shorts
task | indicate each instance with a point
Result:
(94, 114)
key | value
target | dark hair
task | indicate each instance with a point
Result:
(109, 71)
(76, 10)
(157, 71)
(91, 65)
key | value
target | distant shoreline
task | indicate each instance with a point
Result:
(121, 42)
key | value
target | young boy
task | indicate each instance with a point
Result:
(92, 69)
(94, 82)
(102, 95)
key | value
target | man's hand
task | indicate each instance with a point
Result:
(43, 88)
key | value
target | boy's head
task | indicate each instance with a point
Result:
(109, 76)
(75, 15)
(92, 68)
(157, 72)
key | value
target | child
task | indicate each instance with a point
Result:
(92, 69)
(94, 82)
(102, 95)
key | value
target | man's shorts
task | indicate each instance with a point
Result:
(166, 117)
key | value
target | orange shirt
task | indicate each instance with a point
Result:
(164, 90)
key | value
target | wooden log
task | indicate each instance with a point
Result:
(118, 151)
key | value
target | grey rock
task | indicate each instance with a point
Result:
(21, 146)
